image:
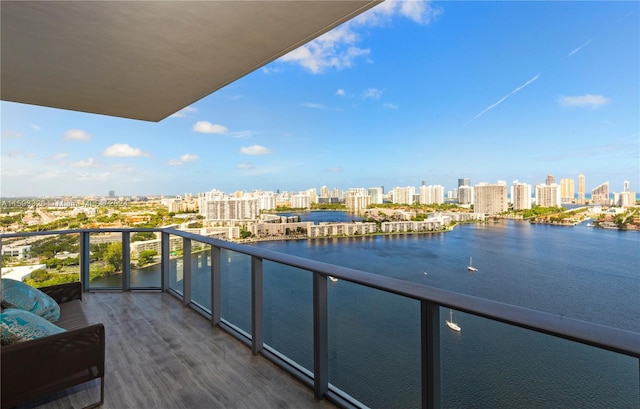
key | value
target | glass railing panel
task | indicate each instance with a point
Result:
(201, 274)
(105, 260)
(146, 258)
(491, 364)
(235, 289)
(176, 265)
(42, 261)
(288, 312)
(374, 346)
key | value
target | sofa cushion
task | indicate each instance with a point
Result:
(16, 294)
(19, 325)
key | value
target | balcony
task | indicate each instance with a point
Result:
(220, 324)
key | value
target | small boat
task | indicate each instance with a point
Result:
(332, 278)
(470, 267)
(450, 323)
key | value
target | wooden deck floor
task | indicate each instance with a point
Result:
(160, 354)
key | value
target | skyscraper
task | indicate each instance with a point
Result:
(548, 195)
(581, 190)
(567, 190)
(490, 199)
(600, 194)
(521, 195)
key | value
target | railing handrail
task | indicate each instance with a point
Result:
(588, 333)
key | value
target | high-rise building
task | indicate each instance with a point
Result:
(432, 194)
(548, 195)
(404, 195)
(600, 194)
(376, 194)
(626, 198)
(324, 191)
(357, 200)
(582, 198)
(464, 182)
(550, 180)
(112, 193)
(490, 199)
(520, 195)
(567, 190)
(465, 194)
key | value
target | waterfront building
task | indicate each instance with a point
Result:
(432, 194)
(465, 195)
(324, 192)
(403, 195)
(313, 195)
(582, 198)
(600, 194)
(357, 200)
(227, 208)
(520, 195)
(301, 201)
(376, 194)
(626, 198)
(341, 229)
(548, 195)
(567, 190)
(490, 198)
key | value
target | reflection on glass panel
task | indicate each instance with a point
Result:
(176, 267)
(42, 261)
(235, 289)
(105, 269)
(146, 256)
(374, 346)
(490, 364)
(288, 312)
(201, 274)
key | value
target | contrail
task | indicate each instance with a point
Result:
(505, 97)
(578, 49)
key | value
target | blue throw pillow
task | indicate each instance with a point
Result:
(19, 325)
(16, 294)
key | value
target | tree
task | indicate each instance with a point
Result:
(113, 255)
(245, 234)
(146, 257)
(143, 235)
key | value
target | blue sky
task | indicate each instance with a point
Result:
(408, 92)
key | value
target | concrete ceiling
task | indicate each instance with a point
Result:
(148, 59)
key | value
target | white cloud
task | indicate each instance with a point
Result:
(244, 166)
(339, 48)
(340, 92)
(578, 49)
(174, 162)
(372, 93)
(313, 105)
(495, 104)
(60, 155)
(389, 105)
(208, 127)
(35, 126)
(123, 150)
(588, 100)
(189, 158)
(254, 150)
(76, 135)
(184, 112)
(87, 163)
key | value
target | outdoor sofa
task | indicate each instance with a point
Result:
(35, 368)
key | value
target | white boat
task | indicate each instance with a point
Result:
(332, 278)
(470, 267)
(450, 323)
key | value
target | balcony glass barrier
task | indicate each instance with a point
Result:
(288, 312)
(176, 264)
(235, 291)
(201, 274)
(488, 364)
(146, 260)
(374, 345)
(105, 260)
(42, 260)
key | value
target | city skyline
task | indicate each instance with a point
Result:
(409, 91)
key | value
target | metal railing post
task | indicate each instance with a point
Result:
(320, 336)
(257, 306)
(430, 329)
(165, 257)
(84, 259)
(215, 285)
(126, 261)
(186, 271)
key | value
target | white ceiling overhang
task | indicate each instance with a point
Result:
(148, 59)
